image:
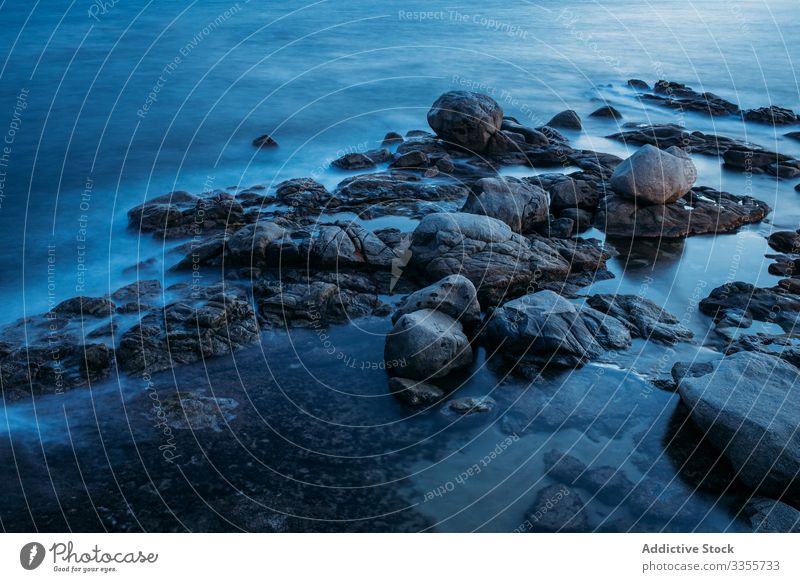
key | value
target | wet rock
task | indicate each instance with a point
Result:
(138, 292)
(607, 111)
(748, 408)
(654, 176)
(392, 138)
(772, 115)
(305, 194)
(642, 317)
(506, 142)
(413, 159)
(565, 120)
(395, 191)
(739, 303)
(499, 262)
(680, 96)
(772, 516)
(93, 306)
(638, 84)
(322, 245)
(466, 119)
(569, 192)
(557, 228)
(701, 211)
(664, 136)
(316, 304)
(785, 241)
(454, 295)
(190, 410)
(413, 393)
(429, 344)
(519, 204)
(752, 159)
(180, 214)
(471, 405)
(681, 370)
(581, 219)
(353, 161)
(558, 509)
(265, 141)
(182, 334)
(609, 332)
(541, 328)
(531, 136)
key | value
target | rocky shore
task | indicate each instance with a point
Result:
(493, 262)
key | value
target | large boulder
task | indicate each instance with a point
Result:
(565, 120)
(748, 407)
(521, 205)
(454, 295)
(466, 119)
(542, 328)
(427, 344)
(654, 176)
(498, 261)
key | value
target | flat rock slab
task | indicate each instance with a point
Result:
(748, 407)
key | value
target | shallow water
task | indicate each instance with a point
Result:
(317, 441)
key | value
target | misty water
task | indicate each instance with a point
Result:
(309, 436)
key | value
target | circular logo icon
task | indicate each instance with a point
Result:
(31, 555)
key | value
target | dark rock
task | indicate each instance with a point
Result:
(581, 219)
(180, 214)
(392, 138)
(568, 192)
(771, 516)
(785, 241)
(499, 262)
(565, 120)
(607, 111)
(532, 136)
(304, 193)
(558, 509)
(701, 211)
(541, 328)
(642, 317)
(394, 190)
(414, 393)
(265, 141)
(182, 334)
(412, 159)
(353, 161)
(638, 84)
(429, 344)
(312, 304)
(773, 305)
(471, 405)
(466, 119)
(772, 115)
(748, 407)
(557, 228)
(191, 410)
(94, 306)
(138, 292)
(519, 204)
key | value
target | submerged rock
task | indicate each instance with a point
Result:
(748, 407)
(414, 393)
(772, 516)
(471, 405)
(519, 204)
(557, 509)
(654, 176)
(565, 120)
(466, 119)
(429, 344)
(265, 141)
